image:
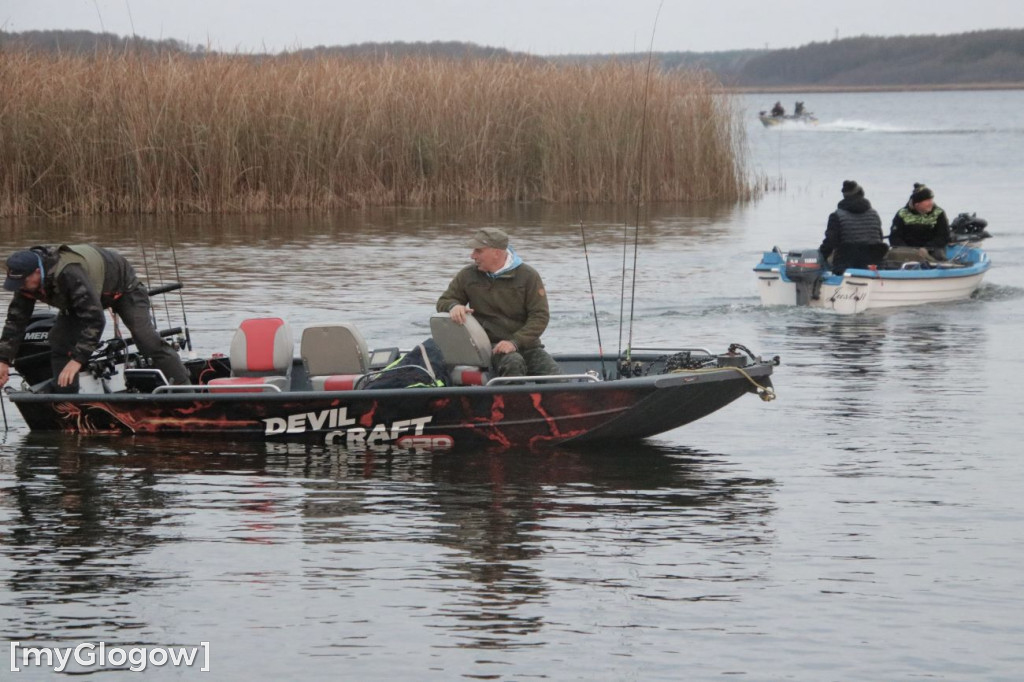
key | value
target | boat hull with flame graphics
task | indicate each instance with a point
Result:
(657, 396)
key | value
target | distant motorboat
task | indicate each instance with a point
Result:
(768, 120)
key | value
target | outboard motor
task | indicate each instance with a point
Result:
(804, 269)
(33, 360)
(968, 227)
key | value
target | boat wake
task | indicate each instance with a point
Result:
(998, 292)
(858, 126)
(850, 125)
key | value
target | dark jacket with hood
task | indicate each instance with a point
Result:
(853, 236)
(80, 280)
(511, 306)
(911, 228)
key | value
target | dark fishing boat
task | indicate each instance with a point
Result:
(336, 391)
(769, 120)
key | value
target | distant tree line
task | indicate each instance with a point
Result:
(436, 49)
(985, 57)
(980, 57)
(80, 42)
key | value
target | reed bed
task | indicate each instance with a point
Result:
(124, 133)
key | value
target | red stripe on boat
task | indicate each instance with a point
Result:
(237, 385)
(341, 382)
(260, 335)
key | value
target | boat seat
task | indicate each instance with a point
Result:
(261, 354)
(335, 356)
(465, 347)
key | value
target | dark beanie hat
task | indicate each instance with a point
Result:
(921, 193)
(851, 189)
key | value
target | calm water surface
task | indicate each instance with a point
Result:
(866, 525)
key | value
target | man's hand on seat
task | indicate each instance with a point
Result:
(458, 313)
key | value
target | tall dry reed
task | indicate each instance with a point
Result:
(129, 133)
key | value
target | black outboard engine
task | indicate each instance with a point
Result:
(804, 268)
(33, 360)
(968, 227)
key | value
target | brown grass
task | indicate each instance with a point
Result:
(134, 134)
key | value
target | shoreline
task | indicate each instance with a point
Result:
(966, 87)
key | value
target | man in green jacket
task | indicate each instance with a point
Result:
(921, 224)
(80, 281)
(507, 298)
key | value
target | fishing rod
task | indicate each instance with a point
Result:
(160, 285)
(145, 269)
(639, 201)
(622, 288)
(622, 301)
(593, 301)
(181, 297)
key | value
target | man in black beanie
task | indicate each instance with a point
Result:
(853, 236)
(921, 224)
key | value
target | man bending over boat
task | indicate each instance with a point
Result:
(853, 236)
(507, 297)
(80, 281)
(921, 225)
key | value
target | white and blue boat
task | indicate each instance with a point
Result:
(802, 278)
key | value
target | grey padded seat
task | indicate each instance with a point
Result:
(261, 353)
(335, 355)
(464, 347)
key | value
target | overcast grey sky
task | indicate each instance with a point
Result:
(535, 26)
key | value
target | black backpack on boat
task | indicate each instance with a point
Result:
(421, 367)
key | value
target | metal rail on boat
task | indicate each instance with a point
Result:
(232, 388)
(545, 378)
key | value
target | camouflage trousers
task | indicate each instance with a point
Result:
(133, 309)
(531, 362)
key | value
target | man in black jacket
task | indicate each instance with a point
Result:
(80, 280)
(853, 236)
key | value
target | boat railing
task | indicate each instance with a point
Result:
(705, 351)
(552, 378)
(544, 379)
(231, 388)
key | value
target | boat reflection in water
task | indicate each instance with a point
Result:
(473, 543)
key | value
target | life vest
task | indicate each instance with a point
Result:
(859, 228)
(85, 255)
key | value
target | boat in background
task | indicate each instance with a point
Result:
(769, 121)
(802, 278)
